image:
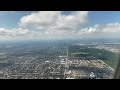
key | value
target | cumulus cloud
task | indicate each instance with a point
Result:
(106, 30)
(12, 32)
(17, 33)
(53, 24)
(54, 21)
(41, 19)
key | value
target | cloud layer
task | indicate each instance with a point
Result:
(56, 24)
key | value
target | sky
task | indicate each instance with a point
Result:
(20, 25)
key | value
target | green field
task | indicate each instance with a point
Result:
(108, 57)
(79, 53)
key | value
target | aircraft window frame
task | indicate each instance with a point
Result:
(117, 71)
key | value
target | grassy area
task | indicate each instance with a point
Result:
(79, 53)
(108, 57)
(112, 63)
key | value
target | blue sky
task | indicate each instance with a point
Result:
(58, 24)
(104, 17)
(10, 20)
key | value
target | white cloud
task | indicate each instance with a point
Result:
(41, 19)
(54, 22)
(106, 30)
(19, 33)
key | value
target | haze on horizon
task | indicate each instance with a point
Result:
(43, 25)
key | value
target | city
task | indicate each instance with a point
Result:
(28, 65)
(59, 44)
